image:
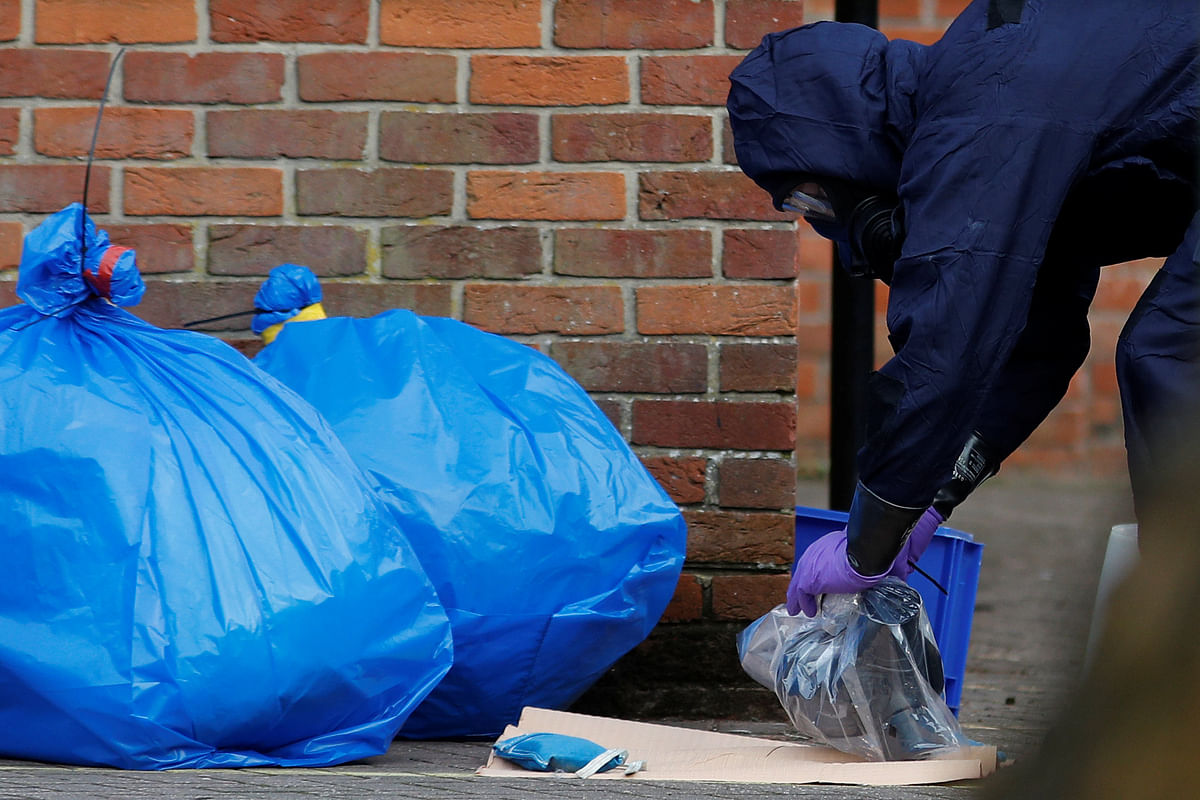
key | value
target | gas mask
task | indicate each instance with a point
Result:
(867, 226)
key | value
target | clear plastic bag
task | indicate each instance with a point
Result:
(863, 676)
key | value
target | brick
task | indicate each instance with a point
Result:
(900, 8)
(274, 133)
(343, 22)
(813, 295)
(128, 21)
(613, 253)
(246, 344)
(52, 73)
(169, 304)
(460, 23)
(686, 80)
(747, 21)
(454, 138)
(361, 299)
(46, 188)
(951, 8)
(545, 195)
(12, 234)
(548, 80)
(328, 250)
(814, 252)
(653, 368)
(682, 478)
(747, 597)
(740, 537)
(630, 24)
(405, 77)
(717, 310)
(1104, 376)
(8, 292)
(808, 384)
(10, 130)
(613, 409)
(241, 78)
(576, 310)
(812, 420)
(386, 192)
(920, 34)
(759, 254)
(758, 367)
(691, 656)
(453, 252)
(812, 338)
(631, 137)
(726, 425)
(1065, 428)
(1032, 460)
(703, 195)
(204, 191)
(1119, 290)
(127, 132)
(10, 20)
(687, 604)
(756, 483)
(161, 247)
(728, 152)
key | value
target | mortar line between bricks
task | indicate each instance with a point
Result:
(27, 23)
(373, 25)
(203, 21)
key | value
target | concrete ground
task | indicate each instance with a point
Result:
(1044, 546)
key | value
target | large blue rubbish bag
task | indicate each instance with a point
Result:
(552, 548)
(195, 573)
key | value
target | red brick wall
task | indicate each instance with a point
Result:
(558, 171)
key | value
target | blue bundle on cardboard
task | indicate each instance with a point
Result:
(552, 548)
(196, 574)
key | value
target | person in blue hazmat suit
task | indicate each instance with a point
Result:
(986, 179)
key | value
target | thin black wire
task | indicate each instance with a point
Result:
(87, 175)
(932, 580)
(222, 317)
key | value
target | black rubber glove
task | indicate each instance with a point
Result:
(876, 531)
(976, 463)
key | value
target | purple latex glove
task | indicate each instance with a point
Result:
(916, 544)
(824, 569)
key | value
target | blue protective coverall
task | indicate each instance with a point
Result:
(1034, 143)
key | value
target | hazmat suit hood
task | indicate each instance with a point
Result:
(827, 99)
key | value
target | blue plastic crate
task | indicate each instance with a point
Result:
(953, 559)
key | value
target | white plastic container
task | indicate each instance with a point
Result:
(1119, 558)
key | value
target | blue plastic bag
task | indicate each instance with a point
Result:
(195, 572)
(552, 548)
(557, 752)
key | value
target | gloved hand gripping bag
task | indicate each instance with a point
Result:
(863, 676)
(552, 548)
(195, 572)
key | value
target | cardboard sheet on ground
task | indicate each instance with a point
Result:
(685, 754)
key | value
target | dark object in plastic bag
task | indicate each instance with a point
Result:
(552, 548)
(863, 676)
(195, 572)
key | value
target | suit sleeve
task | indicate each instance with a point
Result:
(980, 198)
(1049, 351)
